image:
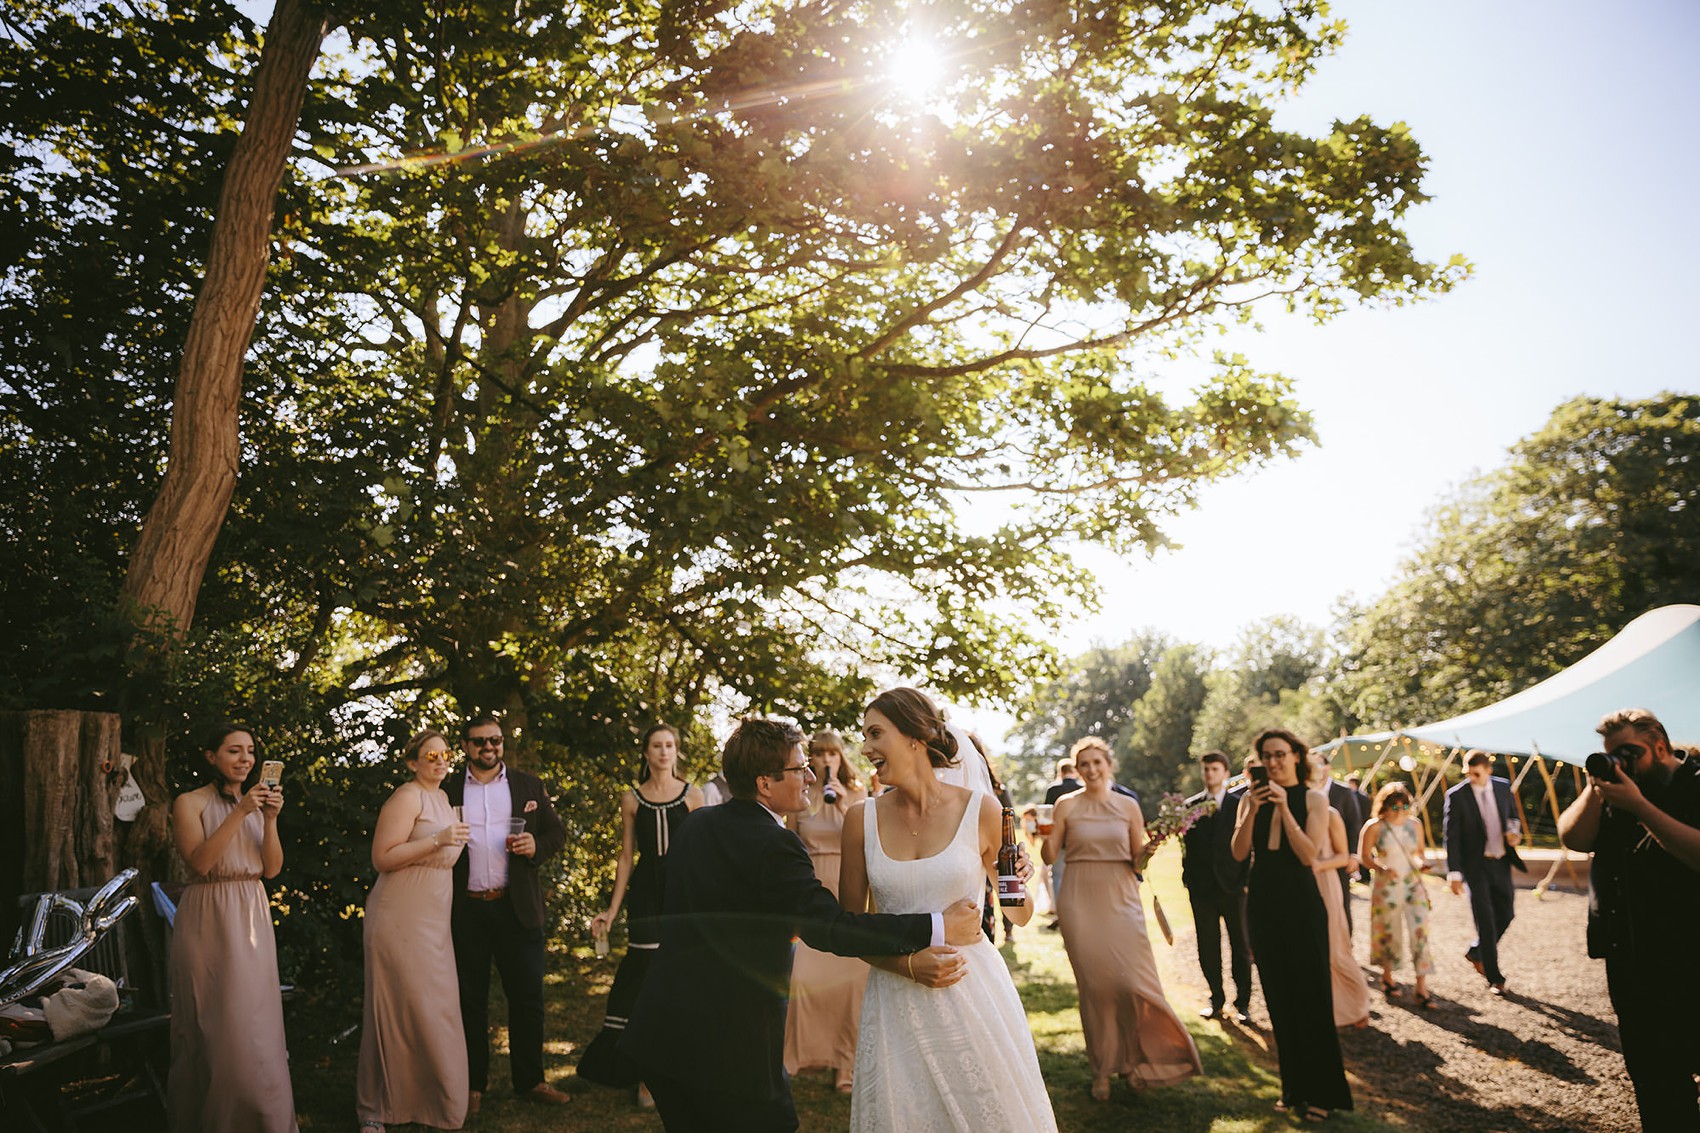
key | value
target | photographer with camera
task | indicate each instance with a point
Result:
(1640, 817)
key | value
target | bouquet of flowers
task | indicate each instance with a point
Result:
(1175, 816)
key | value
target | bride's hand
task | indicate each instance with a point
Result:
(936, 967)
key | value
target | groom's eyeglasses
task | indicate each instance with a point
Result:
(805, 769)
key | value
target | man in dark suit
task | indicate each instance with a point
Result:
(1349, 802)
(708, 1028)
(1215, 882)
(498, 908)
(1481, 848)
(1366, 808)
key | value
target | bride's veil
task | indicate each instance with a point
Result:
(970, 770)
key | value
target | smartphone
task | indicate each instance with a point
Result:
(1258, 774)
(270, 772)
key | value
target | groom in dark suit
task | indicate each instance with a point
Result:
(708, 1028)
(1481, 848)
(1215, 882)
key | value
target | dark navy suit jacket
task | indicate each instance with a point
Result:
(740, 887)
(1466, 836)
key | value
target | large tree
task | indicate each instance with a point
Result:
(620, 357)
(1267, 679)
(1530, 567)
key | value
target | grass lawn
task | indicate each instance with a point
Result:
(1236, 1094)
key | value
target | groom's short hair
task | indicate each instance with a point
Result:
(756, 747)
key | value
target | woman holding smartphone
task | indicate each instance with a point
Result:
(229, 1063)
(1280, 824)
(412, 1050)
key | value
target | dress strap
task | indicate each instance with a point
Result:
(871, 828)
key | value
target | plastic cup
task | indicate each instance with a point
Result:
(516, 827)
(1046, 813)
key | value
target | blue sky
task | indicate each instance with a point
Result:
(1561, 139)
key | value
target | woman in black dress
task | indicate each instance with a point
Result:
(649, 813)
(1279, 827)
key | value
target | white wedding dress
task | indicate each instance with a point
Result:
(959, 1058)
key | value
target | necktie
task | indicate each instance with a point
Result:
(1495, 847)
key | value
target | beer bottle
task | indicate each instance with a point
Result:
(1011, 889)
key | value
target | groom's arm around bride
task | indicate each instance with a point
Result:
(708, 1030)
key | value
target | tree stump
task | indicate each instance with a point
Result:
(58, 786)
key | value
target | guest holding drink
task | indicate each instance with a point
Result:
(498, 907)
(1035, 848)
(1280, 824)
(229, 1063)
(649, 814)
(412, 1048)
(1130, 1028)
(826, 990)
(1392, 847)
(1351, 990)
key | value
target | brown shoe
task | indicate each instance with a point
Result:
(474, 1103)
(544, 1094)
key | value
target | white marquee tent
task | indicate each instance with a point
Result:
(1653, 663)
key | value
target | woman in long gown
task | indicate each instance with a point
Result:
(1392, 846)
(957, 1058)
(648, 814)
(1351, 990)
(229, 1061)
(1279, 826)
(826, 990)
(412, 1049)
(1130, 1028)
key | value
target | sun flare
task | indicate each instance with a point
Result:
(916, 67)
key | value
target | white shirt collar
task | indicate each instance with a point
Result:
(500, 776)
(777, 817)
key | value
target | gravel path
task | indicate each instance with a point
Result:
(1545, 1057)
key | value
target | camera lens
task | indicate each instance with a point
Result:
(1602, 766)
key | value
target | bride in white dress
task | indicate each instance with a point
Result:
(933, 1059)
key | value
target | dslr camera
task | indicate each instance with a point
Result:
(1605, 767)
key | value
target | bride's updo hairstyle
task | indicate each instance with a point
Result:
(914, 714)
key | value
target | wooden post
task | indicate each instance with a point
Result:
(1563, 850)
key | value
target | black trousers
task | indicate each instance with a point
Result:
(1661, 1050)
(1492, 906)
(687, 1108)
(1213, 907)
(487, 932)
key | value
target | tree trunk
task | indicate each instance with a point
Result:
(58, 785)
(177, 538)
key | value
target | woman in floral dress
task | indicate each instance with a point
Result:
(1392, 846)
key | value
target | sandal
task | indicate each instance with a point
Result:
(1313, 1113)
(1425, 1001)
(375, 1126)
(844, 1081)
(1101, 1091)
(1391, 989)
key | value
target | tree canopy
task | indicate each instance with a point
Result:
(1530, 567)
(622, 358)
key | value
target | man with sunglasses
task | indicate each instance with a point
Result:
(1481, 836)
(1640, 817)
(708, 1028)
(498, 908)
